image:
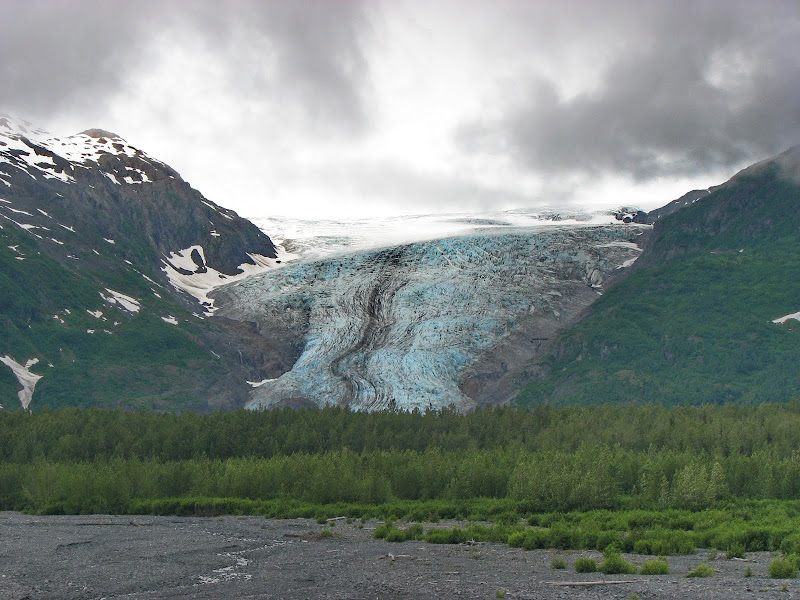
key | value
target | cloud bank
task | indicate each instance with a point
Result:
(387, 106)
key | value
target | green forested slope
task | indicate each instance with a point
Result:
(693, 324)
(130, 359)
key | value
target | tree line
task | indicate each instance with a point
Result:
(546, 459)
(71, 434)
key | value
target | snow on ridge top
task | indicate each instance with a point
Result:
(88, 146)
(83, 147)
(199, 279)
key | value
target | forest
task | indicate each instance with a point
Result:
(652, 479)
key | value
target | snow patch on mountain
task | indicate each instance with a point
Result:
(26, 378)
(126, 302)
(782, 320)
(188, 271)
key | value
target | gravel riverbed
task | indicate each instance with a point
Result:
(143, 557)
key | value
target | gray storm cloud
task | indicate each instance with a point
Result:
(446, 104)
(60, 55)
(689, 87)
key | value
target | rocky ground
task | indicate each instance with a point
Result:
(141, 557)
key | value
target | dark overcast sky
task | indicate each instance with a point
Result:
(311, 107)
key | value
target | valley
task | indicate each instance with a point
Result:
(124, 287)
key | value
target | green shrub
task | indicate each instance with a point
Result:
(607, 538)
(533, 539)
(701, 570)
(414, 532)
(791, 544)
(614, 564)
(446, 536)
(326, 533)
(782, 568)
(585, 565)
(558, 563)
(748, 572)
(654, 567)
(381, 531)
(735, 550)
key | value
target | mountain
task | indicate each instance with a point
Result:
(709, 313)
(121, 285)
(106, 256)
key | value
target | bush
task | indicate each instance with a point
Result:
(446, 536)
(735, 550)
(381, 531)
(614, 564)
(534, 539)
(558, 563)
(585, 565)
(782, 568)
(791, 544)
(655, 567)
(414, 532)
(701, 570)
(607, 538)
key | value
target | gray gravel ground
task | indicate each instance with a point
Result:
(141, 557)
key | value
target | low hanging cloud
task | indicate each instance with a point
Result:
(690, 87)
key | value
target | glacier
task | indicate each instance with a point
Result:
(427, 324)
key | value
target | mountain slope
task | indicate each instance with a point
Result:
(105, 253)
(695, 323)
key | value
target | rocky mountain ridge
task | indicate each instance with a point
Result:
(106, 256)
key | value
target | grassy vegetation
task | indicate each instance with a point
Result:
(585, 565)
(702, 570)
(694, 326)
(783, 568)
(614, 564)
(654, 567)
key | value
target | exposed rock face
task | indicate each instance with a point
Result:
(429, 324)
(113, 191)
